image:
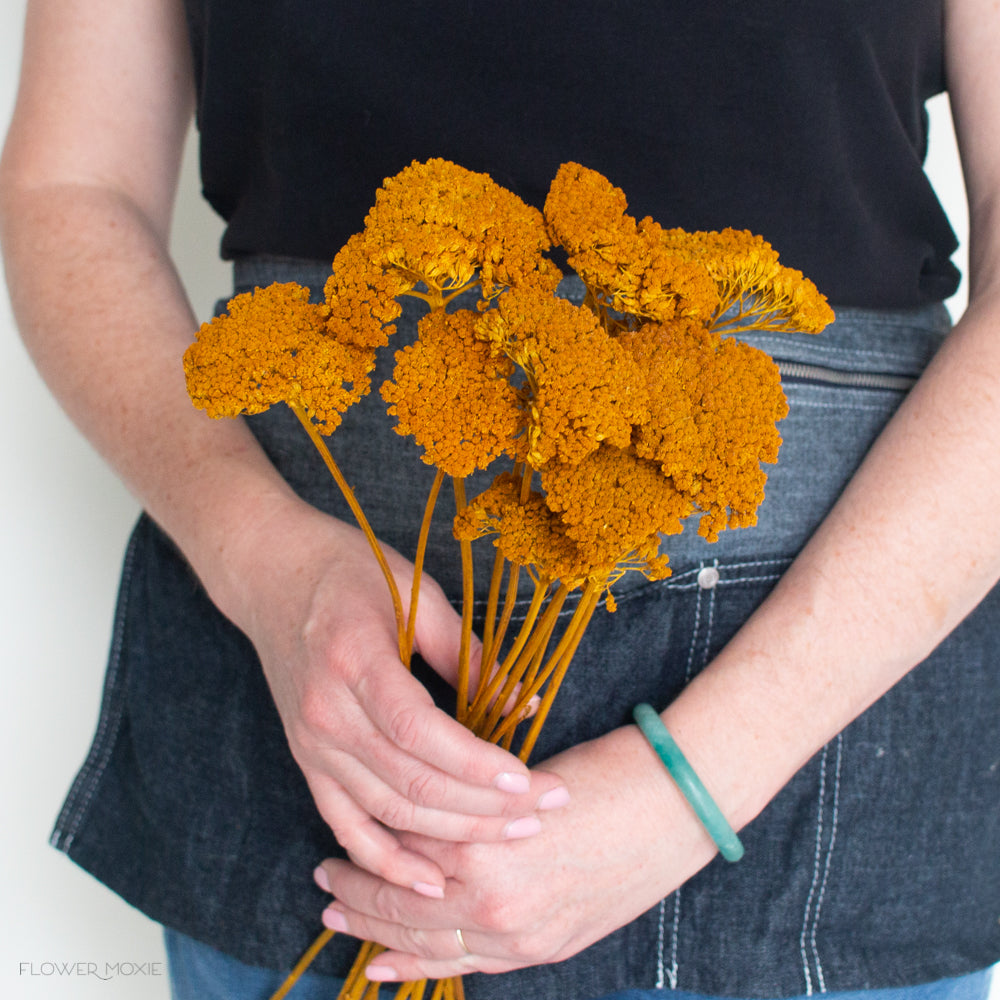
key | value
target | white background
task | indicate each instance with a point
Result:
(64, 520)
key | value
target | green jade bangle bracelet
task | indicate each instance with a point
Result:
(649, 721)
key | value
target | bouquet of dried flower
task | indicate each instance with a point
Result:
(611, 421)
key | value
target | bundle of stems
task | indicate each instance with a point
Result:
(513, 686)
(621, 417)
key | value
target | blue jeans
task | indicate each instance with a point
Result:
(198, 972)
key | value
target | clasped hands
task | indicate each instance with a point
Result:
(444, 831)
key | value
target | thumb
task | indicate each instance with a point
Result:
(438, 635)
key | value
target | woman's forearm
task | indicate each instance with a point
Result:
(913, 544)
(856, 610)
(106, 320)
(861, 606)
(86, 191)
(87, 183)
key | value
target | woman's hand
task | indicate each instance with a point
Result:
(87, 182)
(626, 840)
(378, 755)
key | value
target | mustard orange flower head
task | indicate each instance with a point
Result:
(616, 506)
(451, 392)
(593, 520)
(581, 386)
(442, 227)
(527, 532)
(715, 403)
(756, 291)
(625, 270)
(270, 347)
(361, 297)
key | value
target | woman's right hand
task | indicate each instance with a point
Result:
(87, 182)
(378, 755)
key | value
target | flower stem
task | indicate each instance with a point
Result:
(489, 624)
(468, 597)
(555, 666)
(491, 649)
(303, 963)
(352, 502)
(418, 561)
(575, 629)
(356, 985)
(535, 645)
(502, 677)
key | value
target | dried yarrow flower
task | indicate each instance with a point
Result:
(581, 386)
(715, 402)
(622, 417)
(756, 292)
(616, 506)
(526, 531)
(624, 270)
(435, 229)
(271, 346)
(731, 279)
(452, 393)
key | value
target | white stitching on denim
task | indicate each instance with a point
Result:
(676, 940)
(696, 628)
(101, 749)
(670, 974)
(662, 973)
(660, 942)
(688, 580)
(747, 579)
(756, 562)
(674, 935)
(826, 867)
(673, 584)
(711, 617)
(807, 914)
(733, 578)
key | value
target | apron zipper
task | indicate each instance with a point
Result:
(799, 371)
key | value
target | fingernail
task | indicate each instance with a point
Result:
(335, 920)
(554, 798)
(380, 973)
(526, 826)
(322, 879)
(518, 784)
(532, 709)
(426, 889)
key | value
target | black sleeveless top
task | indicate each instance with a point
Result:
(803, 122)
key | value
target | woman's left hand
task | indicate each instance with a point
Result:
(625, 841)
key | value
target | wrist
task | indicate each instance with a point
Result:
(277, 561)
(743, 732)
(661, 817)
(688, 782)
(243, 530)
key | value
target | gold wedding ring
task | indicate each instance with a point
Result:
(461, 941)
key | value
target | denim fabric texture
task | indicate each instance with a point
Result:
(974, 986)
(198, 972)
(876, 866)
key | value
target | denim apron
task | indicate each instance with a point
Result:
(877, 865)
